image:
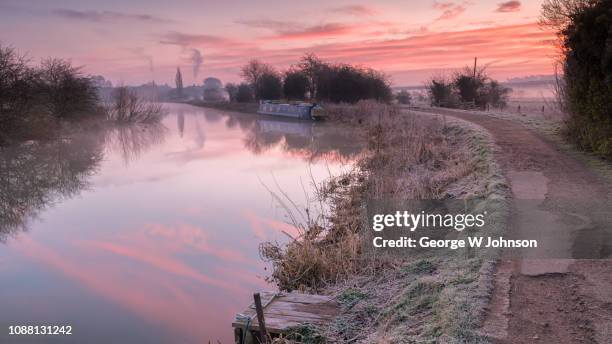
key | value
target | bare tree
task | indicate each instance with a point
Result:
(558, 13)
(67, 93)
(127, 107)
(17, 87)
(254, 70)
(312, 67)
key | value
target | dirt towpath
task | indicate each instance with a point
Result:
(557, 296)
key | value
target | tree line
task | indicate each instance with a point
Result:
(310, 78)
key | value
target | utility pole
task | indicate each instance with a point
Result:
(475, 59)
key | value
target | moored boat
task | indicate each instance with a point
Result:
(298, 110)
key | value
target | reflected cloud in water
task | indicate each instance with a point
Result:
(162, 240)
(173, 300)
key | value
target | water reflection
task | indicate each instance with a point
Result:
(37, 175)
(152, 231)
(310, 140)
(132, 140)
(180, 122)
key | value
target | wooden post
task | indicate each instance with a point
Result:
(263, 334)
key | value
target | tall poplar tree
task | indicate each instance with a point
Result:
(179, 82)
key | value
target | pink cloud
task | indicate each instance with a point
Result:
(188, 40)
(416, 51)
(449, 10)
(434, 49)
(108, 16)
(316, 31)
(177, 238)
(355, 10)
(509, 6)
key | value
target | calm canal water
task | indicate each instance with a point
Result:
(150, 235)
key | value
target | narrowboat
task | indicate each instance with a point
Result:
(298, 110)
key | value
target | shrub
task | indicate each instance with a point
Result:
(232, 91)
(496, 94)
(33, 98)
(467, 89)
(295, 85)
(469, 85)
(403, 97)
(67, 93)
(18, 84)
(127, 107)
(244, 93)
(441, 92)
(269, 86)
(586, 41)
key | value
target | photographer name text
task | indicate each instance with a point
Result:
(453, 244)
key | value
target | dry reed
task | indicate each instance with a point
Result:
(395, 300)
(407, 156)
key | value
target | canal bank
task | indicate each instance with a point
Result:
(421, 298)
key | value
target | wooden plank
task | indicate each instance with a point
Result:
(314, 312)
(277, 318)
(294, 297)
(323, 310)
(266, 298)
(296, 315)
(274, 325)
(305, 298)
(286, 310)
(307, 317)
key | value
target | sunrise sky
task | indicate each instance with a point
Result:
(138, 41)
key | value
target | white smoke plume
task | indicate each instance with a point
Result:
(196, 62)
(150, 60)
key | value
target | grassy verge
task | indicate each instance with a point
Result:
(424, 298)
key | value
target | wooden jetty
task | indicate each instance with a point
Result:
(281, 311)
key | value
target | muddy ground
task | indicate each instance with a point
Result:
(562, 292)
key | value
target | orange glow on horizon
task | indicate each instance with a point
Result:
(407, 40)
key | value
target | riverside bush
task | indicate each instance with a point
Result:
(34, 98)
(583, 27)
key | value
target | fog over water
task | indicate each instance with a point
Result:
(150, 234)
